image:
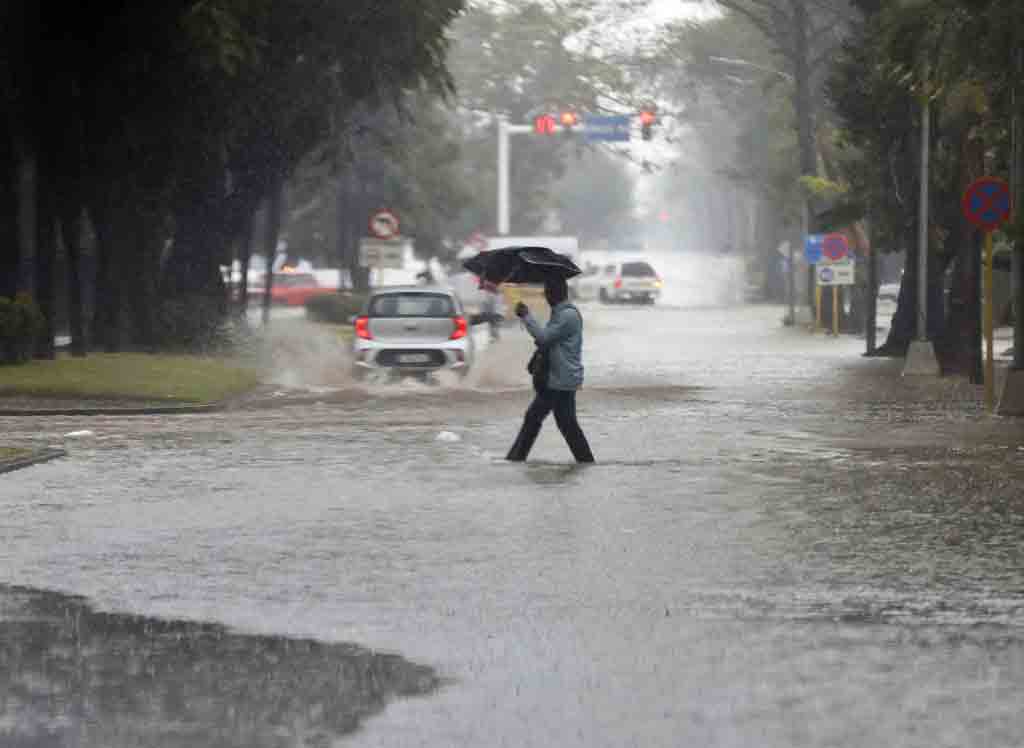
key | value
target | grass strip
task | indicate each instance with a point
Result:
(130, 376)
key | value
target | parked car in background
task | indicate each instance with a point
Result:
(289, 289)
(633, 280)
(412, 330)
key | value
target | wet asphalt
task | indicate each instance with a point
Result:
(782, 544)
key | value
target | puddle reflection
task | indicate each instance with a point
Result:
(71, 676)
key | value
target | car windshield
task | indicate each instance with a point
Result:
(637, 270)
(412, 305)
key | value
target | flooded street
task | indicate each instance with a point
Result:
(782, 544)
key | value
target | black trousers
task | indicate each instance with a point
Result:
(563, 403)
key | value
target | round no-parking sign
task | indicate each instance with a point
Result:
(986, 203)
(835, 247)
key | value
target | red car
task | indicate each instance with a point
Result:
(291, 289)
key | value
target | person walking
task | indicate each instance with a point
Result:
(561, 342)
(489, 308)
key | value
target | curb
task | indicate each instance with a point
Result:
(36, 458)
(156, 410)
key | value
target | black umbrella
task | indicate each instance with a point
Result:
(521, 265)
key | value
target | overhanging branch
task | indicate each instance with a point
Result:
(774, 32)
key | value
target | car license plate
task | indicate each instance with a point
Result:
(414, 358)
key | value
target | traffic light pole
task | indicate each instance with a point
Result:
(547, 125)
(504, 131)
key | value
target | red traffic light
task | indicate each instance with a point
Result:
(569, 119)
(647, 119)
(544, 124)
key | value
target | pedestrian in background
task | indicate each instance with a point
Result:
(489, 308)
(561, 343)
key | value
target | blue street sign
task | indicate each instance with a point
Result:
(814, 245)
(614, 128)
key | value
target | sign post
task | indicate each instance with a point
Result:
(813, 244)
(384, 224)
(386, 248)
(829, 253)
(986, 204)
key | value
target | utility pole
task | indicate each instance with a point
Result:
(1011, 400)
(921, 360)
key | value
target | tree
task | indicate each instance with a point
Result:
(595, 196)
(168, 125)
(518, 61)
(876, 87)
(735, 184)
(405, 157)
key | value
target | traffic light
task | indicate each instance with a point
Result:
(647, 119)
(569, 120)
(544, 124)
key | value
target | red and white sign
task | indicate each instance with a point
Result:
(384, 224)
(835, 247)
(987, 203)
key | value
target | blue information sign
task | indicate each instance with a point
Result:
(814, 245)
(614, 128)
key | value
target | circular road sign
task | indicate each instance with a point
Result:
(835, 247)
(825, 275)
(986, 203)
(384, 224)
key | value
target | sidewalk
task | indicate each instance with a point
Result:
(44, 406)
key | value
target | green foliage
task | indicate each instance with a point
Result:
(21, 322)
(154, 378)
(335, 309)
(519, 60)
(825, 189)
(168, 123)
(595, 197)
(197, 325)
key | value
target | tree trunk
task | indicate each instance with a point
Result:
(10, 250)
(71, 233)
(46, 253)
(107, 313)
(959, 347)
(275, 211)
(143, 266)
(349, 230)
(804, 106)
(244, 261)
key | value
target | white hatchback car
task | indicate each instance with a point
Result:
(412, 330)
(620, 281)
